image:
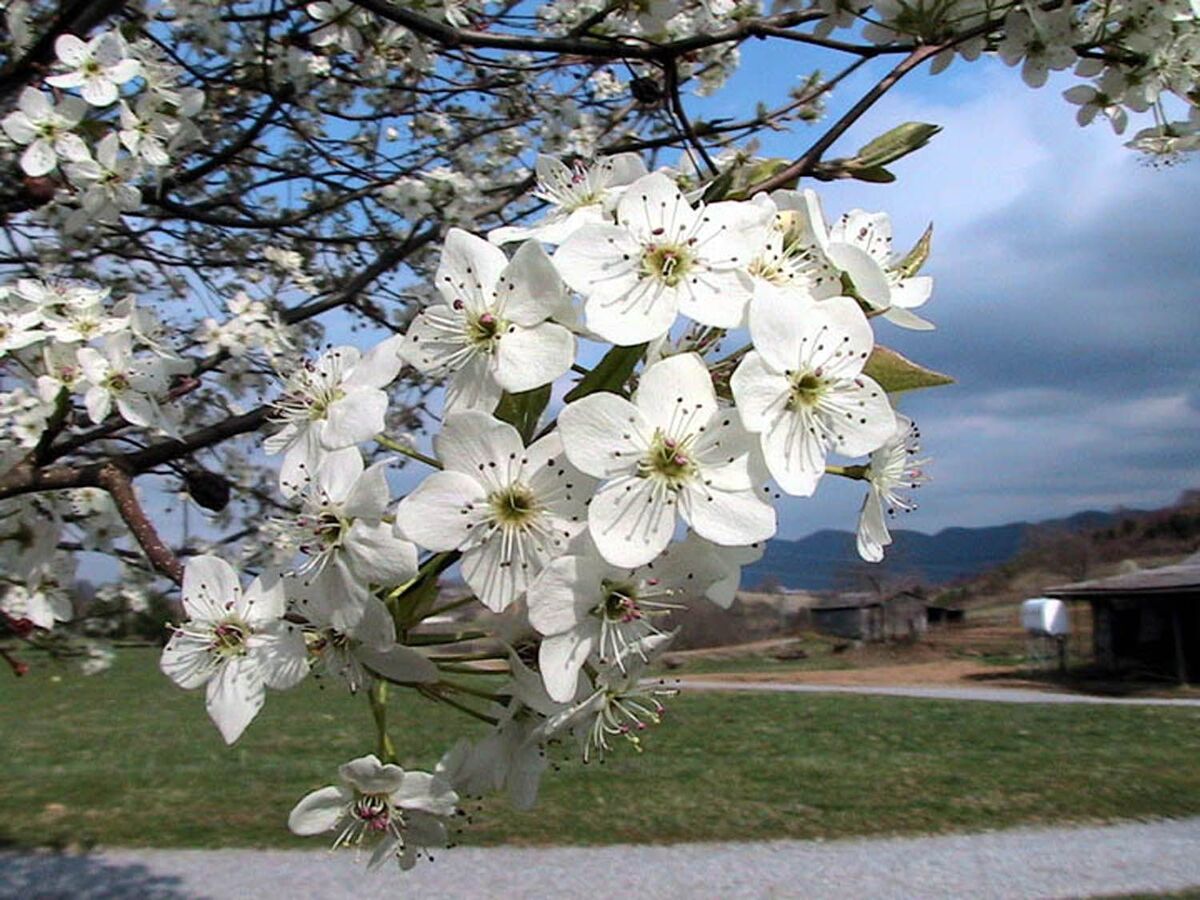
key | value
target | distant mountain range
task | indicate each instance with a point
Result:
(828, 560)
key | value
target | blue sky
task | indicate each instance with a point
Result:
(1067, 299)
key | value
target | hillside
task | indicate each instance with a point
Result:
(828, 560)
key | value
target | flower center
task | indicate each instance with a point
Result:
(668, 460)
(375, 811)
(117, 382)
(513, 506)
(806, 391)
(484, 330)
(619, 603)
(668, 263)
(229, 638)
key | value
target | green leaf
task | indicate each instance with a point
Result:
(418, 596)
(610, 373)
(915, 258)
(896, 373)
(873, 174)
(899, 142)
(719, 187)
(523, 411)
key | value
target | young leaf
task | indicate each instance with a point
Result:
(915, 258)
(610, 373)
(900, 141)
(896, 373)
(523, 411)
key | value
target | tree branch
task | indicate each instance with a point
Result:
(119, 485)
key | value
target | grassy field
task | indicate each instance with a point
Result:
(125, 758)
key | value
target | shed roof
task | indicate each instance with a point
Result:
(1181, 578)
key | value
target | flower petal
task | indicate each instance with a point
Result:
(433, 514)
(527, 358)
(235, 695)
(630, 521)
(319, 811)
(603, 434)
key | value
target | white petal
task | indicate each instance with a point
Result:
(429, 347)
(71, 50)
(599, 259)
(864, 418)
(729, 518)
(425, 792)
(210, 589)
(319, 811)
(433, 515)
(477, 444)
(469, 269)
(716, 297)
(527, 358)
(837, 338)
(560, 660)
(759, 391)
(795, 454)
(564, 593)
(235, 695)
(872, 534)
(905, 318)
(603, 434)
(186, 661)
(675, 392)
(777, 324)
(376, 556)
(912, 292)
(380, 366)
(369, 496)
(371, 776)
(280, 652)
(653, 207)
(473, 387)
(355, 418)
(38, 158)
(644, 311)
(530, 289)
(867, 275)
(629, 523)
(497, 578)
(338, 474)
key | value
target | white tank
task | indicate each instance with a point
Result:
(1042, 615)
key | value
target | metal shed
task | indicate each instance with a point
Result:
(1146, 620)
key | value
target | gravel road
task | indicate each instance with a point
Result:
(948, 692)
(1050, 862)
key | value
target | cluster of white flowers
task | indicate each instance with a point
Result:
(647, 488)
(1138, 55)
(117, 115)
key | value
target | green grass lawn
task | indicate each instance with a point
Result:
(125, 758)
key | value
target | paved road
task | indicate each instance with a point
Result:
(947, 692)
(1024, 863)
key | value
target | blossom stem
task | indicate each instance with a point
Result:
(384, 441)
(432, 692)
(857, 472)
(446, 607)
(467, 670)
(377, 696)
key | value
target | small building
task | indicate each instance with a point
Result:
(865, 616)
(1144, 621)
(944, 615)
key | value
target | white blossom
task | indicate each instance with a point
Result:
(509, 508)
(661, 258)
(492, 332)
(672, 449)
(235, 642)
(398, 812)
(801, 388)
